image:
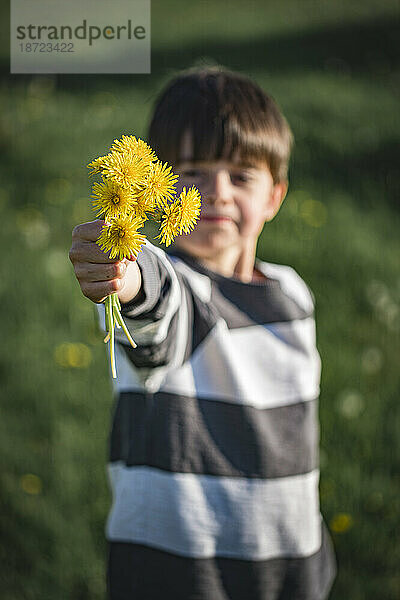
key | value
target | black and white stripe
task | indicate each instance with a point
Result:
(202, 516)
(139, 571)
(207, 437)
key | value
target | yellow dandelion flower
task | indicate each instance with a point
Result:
(31, 484)
(341, 522)
(111, 200)
(128, 143)
(169, 227)
(121, 238)
(144, 202)
(159, 186)
(96, 165)
(139, 209)
(127, 170)
(75, 355)
(189, 202)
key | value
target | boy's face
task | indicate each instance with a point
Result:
(236, 202)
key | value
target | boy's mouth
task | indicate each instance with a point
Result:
(215, 218)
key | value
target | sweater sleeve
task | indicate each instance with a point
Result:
(159, 317)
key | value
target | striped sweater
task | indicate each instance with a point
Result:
(214, 443)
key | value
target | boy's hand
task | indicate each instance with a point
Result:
(97, 275)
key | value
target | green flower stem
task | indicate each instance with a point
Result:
(119, 320)
(114, 318)
(110, 329)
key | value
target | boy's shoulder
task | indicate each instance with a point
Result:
(198, 282)
(291, 283)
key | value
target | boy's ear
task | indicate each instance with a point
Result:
(276, 198)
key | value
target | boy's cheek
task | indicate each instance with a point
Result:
(251, 222)
(247, 232)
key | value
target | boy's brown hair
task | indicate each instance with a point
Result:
(228, 116)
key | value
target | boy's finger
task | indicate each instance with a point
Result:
(89, 231)
(94, 254)
(83, 251)
(97, 291)
(91, 272)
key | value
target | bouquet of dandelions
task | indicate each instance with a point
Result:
(136, 186)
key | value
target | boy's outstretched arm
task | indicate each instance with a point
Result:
(98, 276)
(154, 298)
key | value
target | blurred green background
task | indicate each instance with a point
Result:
(333, 66)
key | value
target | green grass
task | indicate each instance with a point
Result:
(333, 67)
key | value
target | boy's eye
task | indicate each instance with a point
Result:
(240, 178)
(192, 173)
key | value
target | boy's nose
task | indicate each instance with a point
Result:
(219, 186)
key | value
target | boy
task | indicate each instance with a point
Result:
(214, 445)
